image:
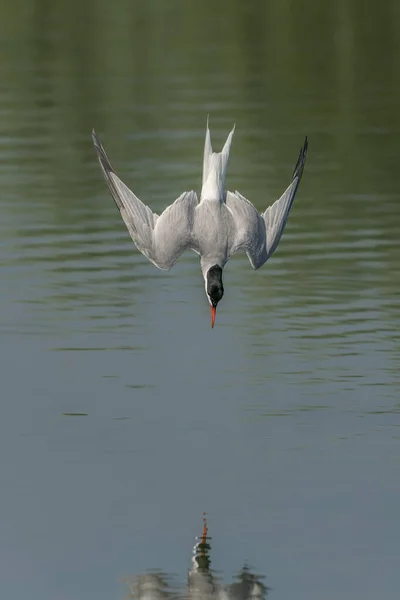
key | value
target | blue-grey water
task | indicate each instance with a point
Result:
(124, 417)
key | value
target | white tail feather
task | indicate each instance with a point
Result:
(214, 168)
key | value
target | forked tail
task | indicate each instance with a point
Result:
(214, 168)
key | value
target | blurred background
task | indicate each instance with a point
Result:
(123, 415)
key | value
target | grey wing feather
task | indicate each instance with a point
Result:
(259, 235)
(173, 230)
(162, 239)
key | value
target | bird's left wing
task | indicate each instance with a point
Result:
(249, 229)
(275, 216)
(162, 239)
(257, 234)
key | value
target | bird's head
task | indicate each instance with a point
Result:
(214, 289)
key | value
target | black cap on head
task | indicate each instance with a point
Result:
(215, 289)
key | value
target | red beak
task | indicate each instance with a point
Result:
(213, 312)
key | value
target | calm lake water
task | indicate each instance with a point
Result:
(124, 417)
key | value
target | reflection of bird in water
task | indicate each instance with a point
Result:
(201, 582)
(149, 586)
(247, 587)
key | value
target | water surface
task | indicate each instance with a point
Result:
(124, 416)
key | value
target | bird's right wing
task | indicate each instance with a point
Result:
(162, 239)
(173, 231)
(259, 235)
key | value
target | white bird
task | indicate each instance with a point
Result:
(215, 228)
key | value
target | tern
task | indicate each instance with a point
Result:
(215, 227)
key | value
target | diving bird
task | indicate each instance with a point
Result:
(215, 227)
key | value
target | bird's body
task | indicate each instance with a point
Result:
(215, 227)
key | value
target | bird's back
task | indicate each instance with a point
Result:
(214, 233)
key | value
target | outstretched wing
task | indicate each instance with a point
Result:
(162, 239)
(259, 235)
